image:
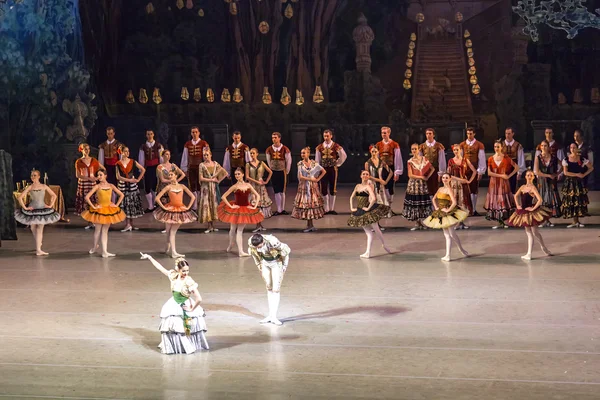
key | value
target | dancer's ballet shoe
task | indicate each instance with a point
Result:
(464, 252)
(546, 251)
(265, 320)
(107, 255)
(93, 250)
(176, 255)
(242, 254)
(446, 258)
(365, 255)
(41, 253)
(127, 229)
(229, 248)
(387, 250)
(526, 257)
(275, 321)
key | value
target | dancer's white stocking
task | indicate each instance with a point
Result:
(375, 228)
(326, 202)
(104, 241)
(150, 201)
(474, 201)
(34, 232)
(448, 244)
(332, 202)
(278, 202)
(274, 298)
(168, 235)
(39, 238)
(232, 232)
(536, 233)
(369, 234)
(530, 241)
(239, 240)
(97, 234)
(172, 233)
(282, 201)
(456, 240)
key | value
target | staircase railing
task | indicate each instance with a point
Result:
(416, 65)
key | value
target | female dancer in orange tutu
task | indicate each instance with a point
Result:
(105, 213)
(174, 213)
(530, 214)
(446, 215)
(240, 212)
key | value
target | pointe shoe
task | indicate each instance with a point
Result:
(275, 321)
(546, 251)
(445, 258)
(387, 250)
(163, 231)
(90, 226)
(242, 254)
(574, 225)
(127, 229)
(41, 253)
(265, 320)
(464, 252)
(415, 228)
(229, 248)
(312, 229)
(256, 230)
(208, 231)
(497, 226)
(93, 250)
(526, 257)
(365, 255)
(214, 230)
(176, 255)
(107, 255)
(580, 225)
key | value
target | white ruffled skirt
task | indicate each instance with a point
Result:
(172, 329)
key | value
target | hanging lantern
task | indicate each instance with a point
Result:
(156, 96)
(468, 43)
(420, 18)
(471, 61)
(595, 95)
(197, 95)
(201, 12)
(458, 17)
(289, 11)
(467, 34)
(233, 10)
(149, 8)
(409, 63)
(411, 45)
(472, 71)
(473, 79)
(263, 27)
(408, 74)
(578, 96)
(476, 89)
(266, 97)
(318, 95)
(237, 95)
(225, 96)
(406, 84)
(130, 99)
(210, 95)
(179, 4)
(189, 4)
(299, 98)
(413, 36)
(185, 95)
(562, 99)
(470, 52)
(285, 97)
(410, 53)
(143, 97)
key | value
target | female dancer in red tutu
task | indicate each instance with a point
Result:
(240, 212)
(530, 214)
(174, 213)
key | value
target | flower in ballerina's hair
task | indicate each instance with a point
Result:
(80, 148)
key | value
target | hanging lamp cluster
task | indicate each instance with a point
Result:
(409, 61)
(472, 70)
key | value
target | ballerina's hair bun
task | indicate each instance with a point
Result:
(180, 262)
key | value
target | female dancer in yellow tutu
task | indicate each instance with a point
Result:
(446, 215)
(105, 213)
(530, 214)
(174, 213)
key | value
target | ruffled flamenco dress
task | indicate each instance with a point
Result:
(40, 215)
(523, 218)
(440, 219)
(105, 214)
(182, 331)
(244, 215)
(360, 217)
(175, 211)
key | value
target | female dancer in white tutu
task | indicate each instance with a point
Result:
(174, 213)
(37, 213)
(182, 324)
(446, 215)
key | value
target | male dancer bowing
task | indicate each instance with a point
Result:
(191, 159)
(237, 154)
(513, 149)
(330, 156)
(108, 156)
(436, 155)
(279, 159)
(149, 158)
(474, 151)
(555, 149)
(389, 153)
(271, 258)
